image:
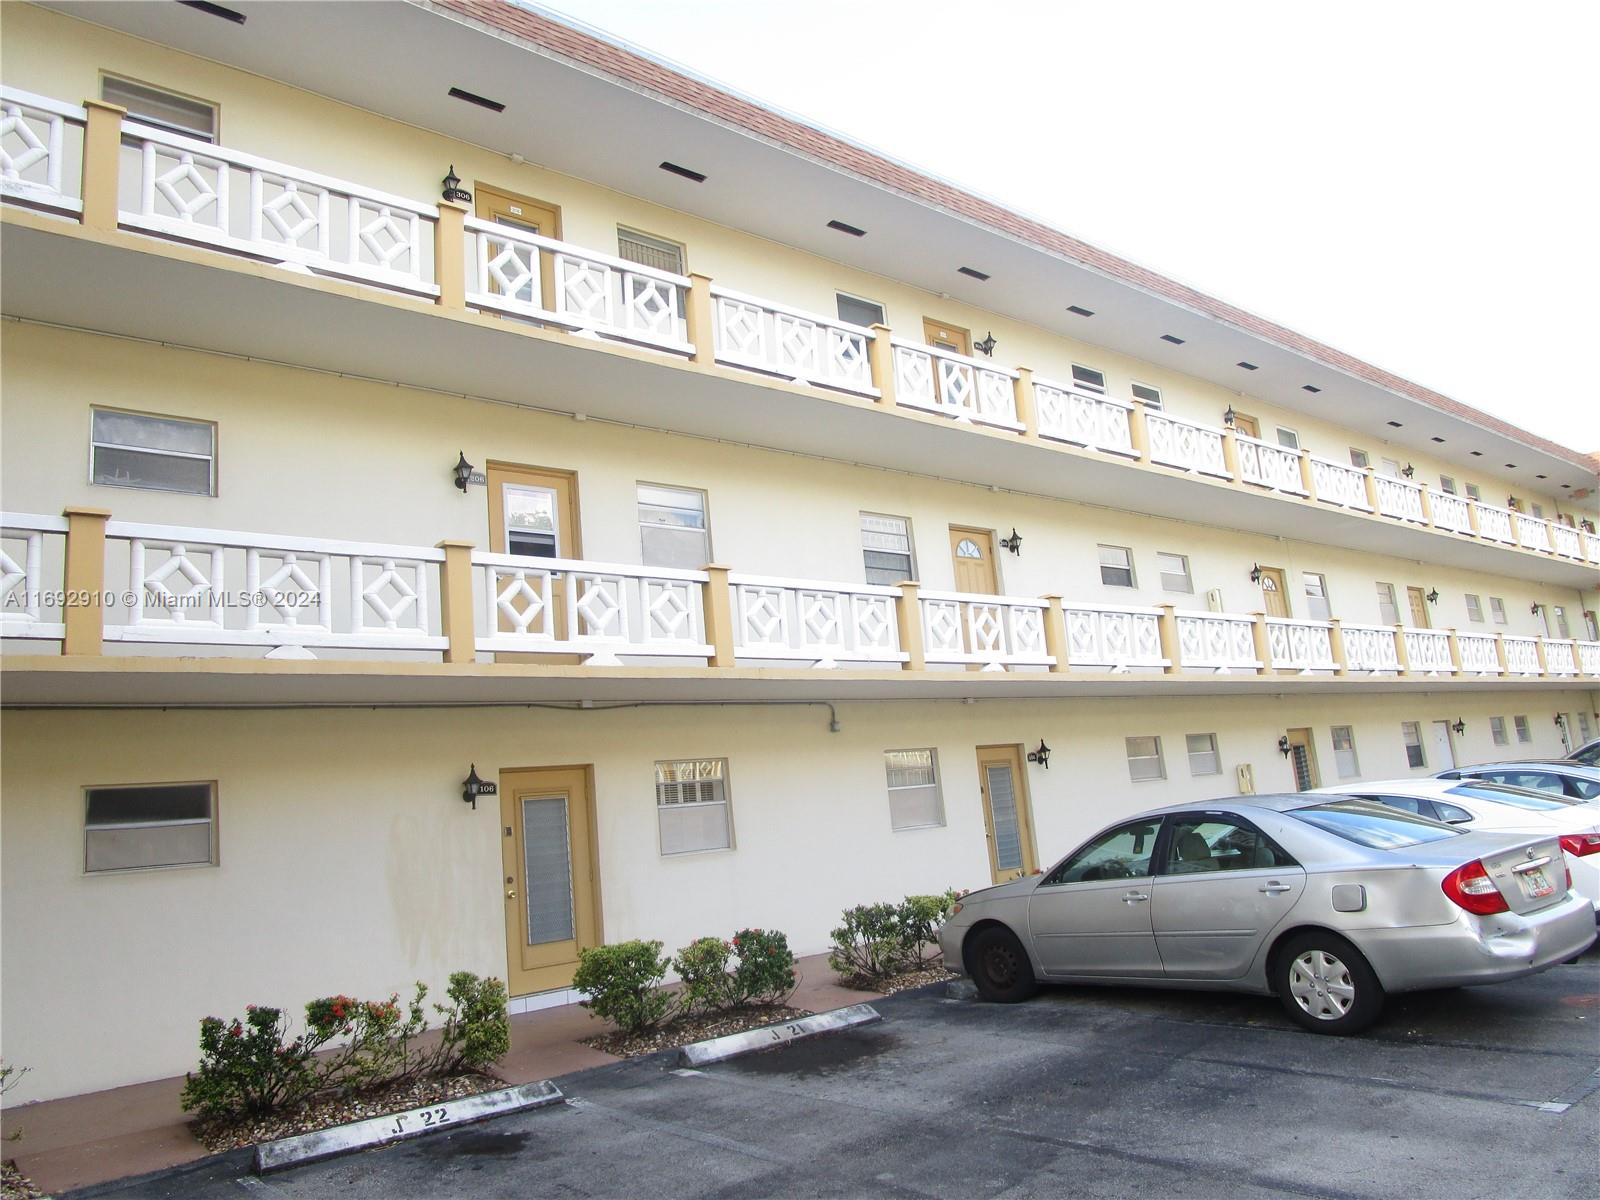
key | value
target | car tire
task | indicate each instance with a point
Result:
(1325, 985)
(999, 966)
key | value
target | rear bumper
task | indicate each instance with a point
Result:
(1476, 949)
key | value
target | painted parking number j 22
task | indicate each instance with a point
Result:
(422, 1118)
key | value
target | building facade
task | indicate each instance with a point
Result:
(751, 511)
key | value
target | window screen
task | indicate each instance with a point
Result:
(152, 825)
(1446, 484)
(1497, 731)
(1344, 752)
(1411, 734)
(692, 805)
(163, 454)
(1148, 396)
(1203, 759)
(672, 527)
(165, 110)
(1317, 606)
(1174, 570)
(1388, 611)
(856, 311)
(1524, 734)
(1288, 439)
(1474, 492)
(650, 251)
(1497, 610)
(1144, 759)
(886, 549)
(1088, 378)
(914, 800)
(1474, 608)
(1360, 458)
(1116, 566)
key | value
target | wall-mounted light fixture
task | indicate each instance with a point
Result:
(472, 787)
(1229, 417)
(1512, 502)
(1561, 721)
(1433, 596)
(1255, 572)
(985, 347)
(1536, 609)
(1460, 727)
(463, 471)
(1013, 543)
(1408, 470)
(1041, 755)
(452, 187)
(1283, 745)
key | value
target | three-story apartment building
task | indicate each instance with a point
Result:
(403, 394)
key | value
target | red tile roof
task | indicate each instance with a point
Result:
(642, 72)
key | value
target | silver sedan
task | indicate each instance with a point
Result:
(1329, 903)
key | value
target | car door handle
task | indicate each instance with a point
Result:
(1135, 897)
(1273, 888)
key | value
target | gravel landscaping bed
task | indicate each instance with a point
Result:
(695, 1029)
(921, 977)
(236, 1132)
(14, 1185)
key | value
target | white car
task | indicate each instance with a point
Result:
(1476, 804)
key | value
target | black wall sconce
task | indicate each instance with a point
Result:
(1041, 755)
(1283, 745)
(1408, 470)
(1460, 727)
(1013, 543)
(1512, 502)
(985, 347)
(1255, 572)
(1537, 607)
(463, 471)
(1229, 417)
(1433, 596)
(472, 787)
(1561, 721)
(452, 187)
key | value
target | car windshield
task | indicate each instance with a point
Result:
(1515, 797)
(1588, 755)
(1373, 825)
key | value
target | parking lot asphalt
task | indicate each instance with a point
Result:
(1491, 1092)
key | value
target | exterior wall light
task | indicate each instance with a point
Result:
(985, 347)
(452, 187)
(1041, 755)
(463, 470)
(1536, 608)
(1283, 744)
(1408, 471)
(1229, 417)
(1512, 502)
(472, 787)
(1255, 572)
(1561, 721)
(1460, 727)
(1433, 596)
(1013, 543)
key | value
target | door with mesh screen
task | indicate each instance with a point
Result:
(548, 842)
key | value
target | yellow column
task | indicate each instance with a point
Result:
(1139, 433)
(1336, 641)
(1500, 651)
(908, 616)
(1230, 454)
(880, 357)
(1538, 648)
(1372, 489)
(1455, 653)
(1307, 479)
(701, 319)
(102, 151)
(1167, 626)
(1055, 633)
(1258, 635)
(84, 580)
(457, 612)
(450, 253)
(1027, 410)
(1472, 516)
(1400, 654)
(1427, 506)
(717, 597)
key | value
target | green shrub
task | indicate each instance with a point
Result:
(476, 1031)
(703, 967)
(765, 974)
(248, 1066)
(877, 941)
(623, 983)
(920, 919)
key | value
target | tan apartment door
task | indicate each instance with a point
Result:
(1007, 815)
(533, 513)
(946, 336)
(972, 554)
(526, 213)
(1418, 603)
(549, 854)
(1248, 426)
(1274, 592)
(1303, 758)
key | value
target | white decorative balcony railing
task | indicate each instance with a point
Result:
(1083, 418)
(1370, 648)
(1339, 484)
(1186, 445)
(1522, 655)
(1270, 466)
(1566, 541)
(968, 389)
(1450, 512)
(1428, 650)
(825, 624)
(804, 347)
(1303, 646)
(25, 569)
(34, 147)
(1533, 533)
(1560, 657)
(1116, 637)
(196, 192)
(1494, 524)
(1400, 499)
(209, 586)
(1589, 658)
(600, 610)
(1591, 548)
(997, 631)
(1478, 653)
(594, 294)
(1219, 641)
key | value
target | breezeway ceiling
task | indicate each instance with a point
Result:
(401, 59)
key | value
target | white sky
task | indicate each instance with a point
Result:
(1411, 182)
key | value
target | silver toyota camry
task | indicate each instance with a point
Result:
(1330, 903)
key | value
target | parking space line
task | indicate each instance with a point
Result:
(1578, 1094)
(1365, 1080)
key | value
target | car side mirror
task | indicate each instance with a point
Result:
(1458, 820)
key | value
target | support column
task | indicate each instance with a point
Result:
(1307, 479)
(1167, 627)
(1427, 506)
(450, 254)
(1472, 517)
(457, 612)
(1027, 409)
(1230, 455)
(880, 357)
(701, 319)
(1500, 651)
(908, 616)
(1538, 648)
(102, 153)
(1400, 654)
(1055, 634)
(1263, 648)
(1139, 433)
(1341, 665)
(1372, 491)
(84, 580)
(1455, 653)
(717, 597)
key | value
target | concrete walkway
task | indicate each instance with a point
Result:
(88, 1139)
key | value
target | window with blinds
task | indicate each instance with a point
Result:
(1144, 759)
(886, 549)
(649, 251)
(1174, 570)
(1344, 752)
(1474, 608)
(1524, 732)
(673, 531)
(150, 825)
(1203, 757)
(162, 109)
(1497, 731)
(164, 454)
(914, 799)
(692, 805)
(1411, 734)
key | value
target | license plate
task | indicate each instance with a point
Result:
(1535, 883)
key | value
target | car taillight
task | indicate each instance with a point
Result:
(1471, 888)
(1581, 845)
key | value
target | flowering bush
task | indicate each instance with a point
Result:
(765, 974)
(248, 1066)
(623, 984)
(876, 941)
(703, 967)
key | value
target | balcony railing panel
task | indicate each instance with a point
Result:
(1067, 414)
(997, 631)
(1566, 541)
(972, 390)
(1270, 466)
(1339, 484)
(1591, 548)
(1371, 648)
(1217, 641)
(31, 550)
(40, 139)
(1589, 658)
(1117, 638)
(1450, 512)
(599, 610)
(1478, 653)
(1494, 524)
(1186, 445)
(822, 623)
(1522, 655)
(1400, 499)
(1428, 650)
(807, 348)
(1560, 657)
(1303, 646)
(1533, 533)
(194, 191)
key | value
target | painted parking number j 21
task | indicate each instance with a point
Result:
(422, 1118)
